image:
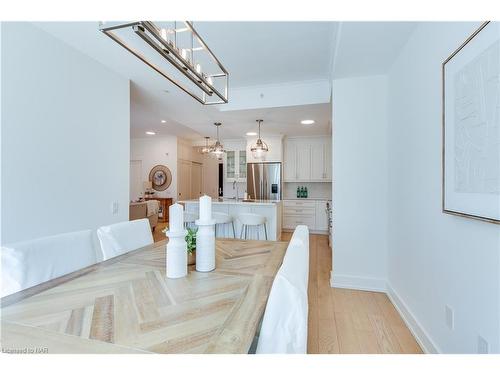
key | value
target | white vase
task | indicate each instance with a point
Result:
(205, 245)
(176, 253)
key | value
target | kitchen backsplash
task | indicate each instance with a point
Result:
(322, 190)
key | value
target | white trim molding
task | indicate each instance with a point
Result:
(380, 285)
(423, 338)
(359, 283)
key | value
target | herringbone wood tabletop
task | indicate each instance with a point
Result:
(127, 304)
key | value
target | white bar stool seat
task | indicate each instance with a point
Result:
(221, 218)
(252, 220)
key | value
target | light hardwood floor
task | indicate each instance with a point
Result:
(344, 320)
(349, 321)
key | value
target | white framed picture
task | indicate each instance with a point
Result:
(471, 127)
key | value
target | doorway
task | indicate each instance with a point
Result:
(135, 190)
(221, 180)
(196, 180)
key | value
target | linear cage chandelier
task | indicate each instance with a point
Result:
(181, 47)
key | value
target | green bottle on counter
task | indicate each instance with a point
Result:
(305, 192)
(298, 192)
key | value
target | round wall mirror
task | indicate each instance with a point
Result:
(160, 177)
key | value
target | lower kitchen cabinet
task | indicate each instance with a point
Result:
(305, 212)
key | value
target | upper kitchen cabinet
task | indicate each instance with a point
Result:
(236, 165)
(235, 162)
(308, 159)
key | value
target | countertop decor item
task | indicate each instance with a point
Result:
(185, 52)
(471, 127)
(176, 247)
(160, 177)
(205, 238)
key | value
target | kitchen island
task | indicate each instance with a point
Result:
(271, 209)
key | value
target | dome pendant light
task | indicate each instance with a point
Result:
(218, 149)
(260, 148)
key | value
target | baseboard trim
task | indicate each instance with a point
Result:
(381, 285)
(359, 283)
(420, 334)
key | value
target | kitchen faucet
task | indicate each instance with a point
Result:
(237, 189)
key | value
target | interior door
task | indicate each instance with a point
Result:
(184, 176)
(136, 188)
(196, 180)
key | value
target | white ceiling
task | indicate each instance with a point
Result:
(255, 54)
(366, 48)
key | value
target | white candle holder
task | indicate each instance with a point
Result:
(205, 245)
(176, 254)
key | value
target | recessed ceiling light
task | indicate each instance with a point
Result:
(251, 133)
(150, 133)
(307, 122)
(163, 121)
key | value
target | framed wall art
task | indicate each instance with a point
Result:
(471, 127)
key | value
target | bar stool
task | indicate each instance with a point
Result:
(189, 219)
(222, 218)
(252, 220)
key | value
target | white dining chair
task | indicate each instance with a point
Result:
(29, 263)
(284, 326)
(120, 238)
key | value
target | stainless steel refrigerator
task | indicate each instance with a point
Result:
(264, 181)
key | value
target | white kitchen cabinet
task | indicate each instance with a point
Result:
(305, 212)
(303, 160)
(297, 160)
(308, 159)
(321, 216)
(290, 161)
(235, 165)
(328, 160)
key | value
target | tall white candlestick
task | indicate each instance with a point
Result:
(176, 217)
(205, 208)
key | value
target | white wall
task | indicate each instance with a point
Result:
(153, 151)
(360, 182)
(65, 137)
(435, 259)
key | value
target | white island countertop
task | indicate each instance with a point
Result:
(260, 202)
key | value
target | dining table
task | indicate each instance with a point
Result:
(127, 304)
